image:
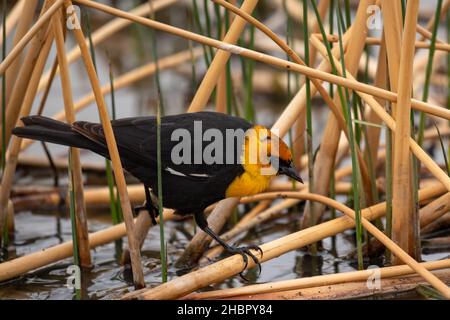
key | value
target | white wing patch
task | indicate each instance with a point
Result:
(180, 174)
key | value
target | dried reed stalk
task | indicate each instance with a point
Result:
(373, 132)
(201, 241)
(393, 27)
(316, 281)
(228, 267)
(216, 249)
(14, 149)
(23, 25)
(80, 207)
(42, 21)
(405, 228)
(138, 276)
(254, 218)
(26, 70)
(434, 210)
(389, 288)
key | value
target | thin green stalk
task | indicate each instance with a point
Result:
(289, 42)
(403, 2)
(331, 26)
(218, 20)
(348, 119)
(191, 51)
(444, 154)
(157, 72)
(228, 80)
(160, 196)
(87, 21)
(356, 173)
(426, 86)
(76, 257)
(138, 35)
(198, 22)
(348, 15)
(249, 67)
(309, 127)
(114, 203)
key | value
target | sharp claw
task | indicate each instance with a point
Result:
(245, 252)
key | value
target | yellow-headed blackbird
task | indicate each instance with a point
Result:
(197, 168)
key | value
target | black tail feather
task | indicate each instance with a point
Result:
(53, 131)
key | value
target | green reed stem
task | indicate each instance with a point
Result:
(160, 195)
(116, 209)
(348, 117)
(429, 70)
(348, 15)
(309, 126)
(76, 254)
(198, 22)
(157, 71)
(228, 80)
(444, 154)
(249, 67)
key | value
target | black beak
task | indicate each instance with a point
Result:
(288, 169)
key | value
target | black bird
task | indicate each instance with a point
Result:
(197, 168)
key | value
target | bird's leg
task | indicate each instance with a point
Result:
(243, 251)
(148, 205)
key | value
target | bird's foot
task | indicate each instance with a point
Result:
(245, 252)
(150, 208)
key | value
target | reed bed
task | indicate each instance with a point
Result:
(382, 119)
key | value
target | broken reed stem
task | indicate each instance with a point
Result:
(14, 149)
(315, 281)
(219, 61)
(77, 176)
(387, 119)
(404, 216)
(289, 113)
(233, 265)
(138, 276)
(41, 22)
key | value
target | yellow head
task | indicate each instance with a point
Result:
(264, 156)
